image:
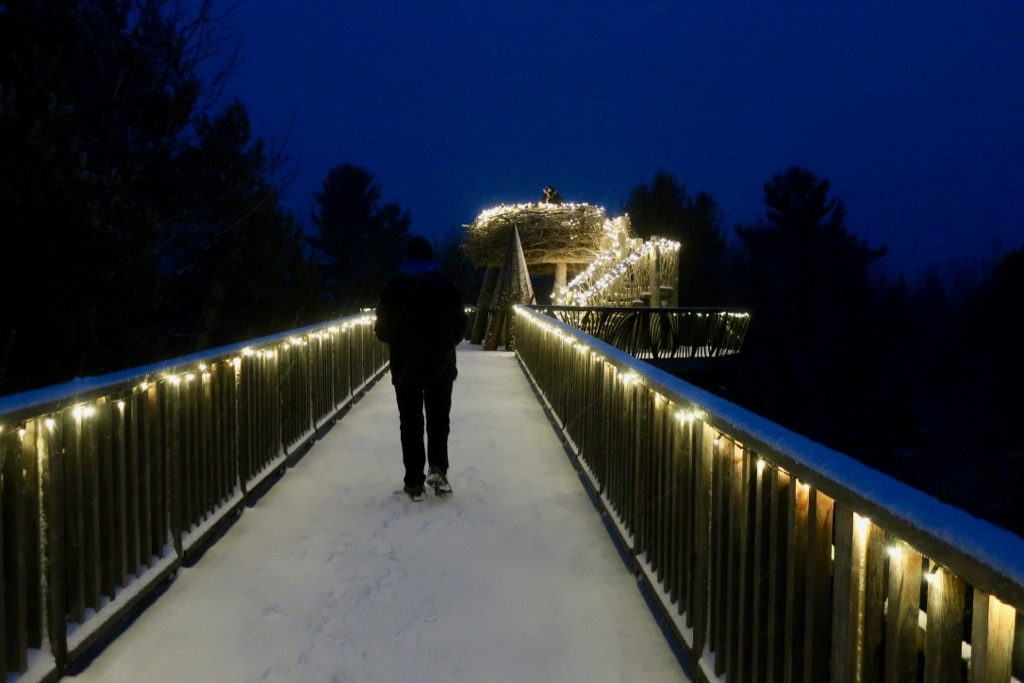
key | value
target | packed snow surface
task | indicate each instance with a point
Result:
(335, 575)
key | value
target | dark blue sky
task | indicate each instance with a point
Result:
(914, 110)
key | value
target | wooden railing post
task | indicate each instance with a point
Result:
(108, 482)
(13, 547)
(700, 579)
(775, 558)
(639, 459)
(943, 662)
(992, 642)
(175, 468)
(54, 559)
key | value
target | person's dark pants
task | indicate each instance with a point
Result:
(436, 401)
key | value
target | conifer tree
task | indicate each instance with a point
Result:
(806, 277)
(360, 240)
(663, 208)
(103, 112)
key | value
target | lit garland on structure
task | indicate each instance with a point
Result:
(609, 270)
(549, 233)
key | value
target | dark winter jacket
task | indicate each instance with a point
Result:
(421, 319)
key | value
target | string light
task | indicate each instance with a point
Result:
(608, 269)
(687, 416)
(861, 523)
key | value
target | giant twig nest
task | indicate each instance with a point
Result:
(549, 233)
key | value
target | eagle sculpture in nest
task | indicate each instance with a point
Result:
(551, 196)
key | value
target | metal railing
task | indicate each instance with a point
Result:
(772, 557)
(110, 484)
(660, 333)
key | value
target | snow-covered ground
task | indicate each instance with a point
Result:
(336, 576)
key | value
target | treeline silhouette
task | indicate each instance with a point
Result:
(922, 379)
(142, 220)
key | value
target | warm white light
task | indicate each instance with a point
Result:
(247, 351)
(760, 465)
(174, 379)
(50, 423)
(609, 268)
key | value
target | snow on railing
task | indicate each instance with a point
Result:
(771, 556)
(110, 483)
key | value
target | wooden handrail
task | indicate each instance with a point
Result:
(774, 557)
(110, 484)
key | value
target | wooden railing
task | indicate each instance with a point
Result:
(660, 333)
(110, 484)
(772, 557)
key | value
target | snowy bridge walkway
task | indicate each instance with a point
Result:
(335, 576)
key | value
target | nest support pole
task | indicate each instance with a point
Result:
(483, 305)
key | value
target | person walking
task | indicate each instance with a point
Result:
(421, 318)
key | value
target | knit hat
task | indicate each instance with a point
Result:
(419, 249)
